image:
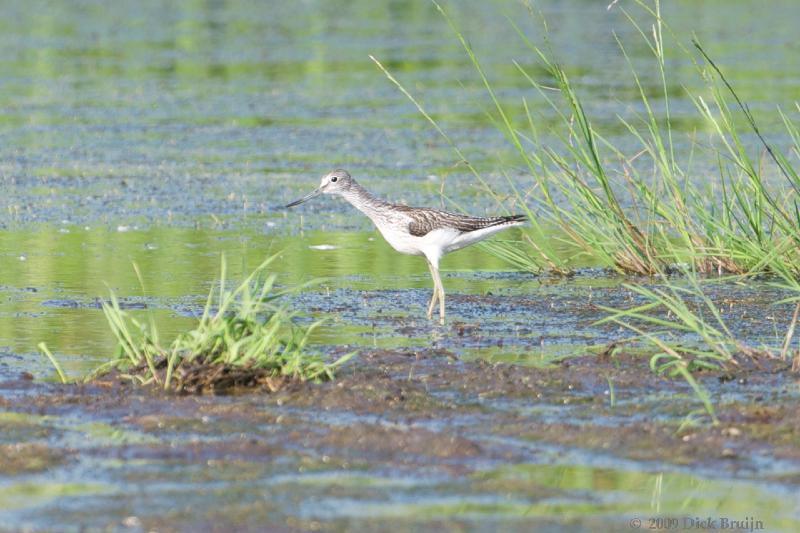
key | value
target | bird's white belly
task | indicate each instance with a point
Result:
(435, 243)
(401, 240)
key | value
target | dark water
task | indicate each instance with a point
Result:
(164, 133)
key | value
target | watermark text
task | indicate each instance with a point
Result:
(697, 523)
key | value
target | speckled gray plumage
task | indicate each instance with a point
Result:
(420, 221)
(425, 220)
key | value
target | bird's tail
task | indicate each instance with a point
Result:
(510, 219)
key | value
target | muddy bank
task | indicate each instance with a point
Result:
(405, 439)
(570, 404)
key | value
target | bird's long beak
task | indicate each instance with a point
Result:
(304, 199)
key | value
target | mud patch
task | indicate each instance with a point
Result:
(404, 433)
(379, 441)
(26, 458)
(200, 377)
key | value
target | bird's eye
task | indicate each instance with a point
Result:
(334, 179)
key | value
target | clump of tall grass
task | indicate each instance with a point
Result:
(666, 218)
(247, 336)
(639, 211)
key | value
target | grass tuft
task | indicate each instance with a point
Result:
(247, 336)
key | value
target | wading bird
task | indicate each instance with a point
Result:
(415, 230)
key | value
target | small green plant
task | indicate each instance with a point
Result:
(674, 310)
(246, 336)
(667, 310)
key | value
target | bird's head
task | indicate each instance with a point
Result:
(335, 182)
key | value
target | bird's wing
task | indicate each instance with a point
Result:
(422, 221)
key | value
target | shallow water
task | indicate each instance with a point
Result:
(163, 134)
(53, 288)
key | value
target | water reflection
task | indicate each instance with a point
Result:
(52, 282)
(636, 494)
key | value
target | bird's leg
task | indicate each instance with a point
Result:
(437, 281)
(435, 295)
(441, 303)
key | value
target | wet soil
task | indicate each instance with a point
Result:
(418, 438)
(199, 376)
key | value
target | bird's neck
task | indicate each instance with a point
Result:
(364, 201)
